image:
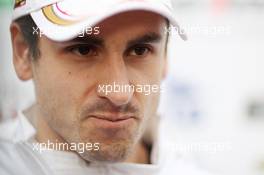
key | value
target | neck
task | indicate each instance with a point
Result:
(44, 132)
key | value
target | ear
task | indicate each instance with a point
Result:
(21, 53)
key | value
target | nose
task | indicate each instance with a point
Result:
(115, 85)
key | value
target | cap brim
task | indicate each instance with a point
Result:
(57, 25)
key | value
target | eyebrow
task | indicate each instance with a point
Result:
(151, 37)
(89, 40)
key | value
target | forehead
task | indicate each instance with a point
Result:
(132, 23)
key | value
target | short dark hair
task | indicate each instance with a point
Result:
(27, 26)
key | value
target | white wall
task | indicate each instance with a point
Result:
(225, 71)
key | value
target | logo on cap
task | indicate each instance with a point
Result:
(19, 3)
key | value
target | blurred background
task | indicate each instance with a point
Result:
(214, 93)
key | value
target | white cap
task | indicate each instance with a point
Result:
(62, 20)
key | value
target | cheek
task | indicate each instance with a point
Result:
(60, 92)
(149, 112)
(150, 104)
(147, 75)
(149, 71)
(55, 99)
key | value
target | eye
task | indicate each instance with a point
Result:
(140, 50)
(84, 50)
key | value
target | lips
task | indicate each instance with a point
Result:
(111, 122)
(113, 117)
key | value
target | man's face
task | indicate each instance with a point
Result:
(129, 50)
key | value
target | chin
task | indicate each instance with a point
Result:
(115, 152)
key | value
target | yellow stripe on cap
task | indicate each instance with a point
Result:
(51, 16)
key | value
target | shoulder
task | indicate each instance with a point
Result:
(18, 158)
(17, 129)
(12, 159)
(15, 156)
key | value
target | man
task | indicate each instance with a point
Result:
(90, 62)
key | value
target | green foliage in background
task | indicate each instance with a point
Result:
(6, 3)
